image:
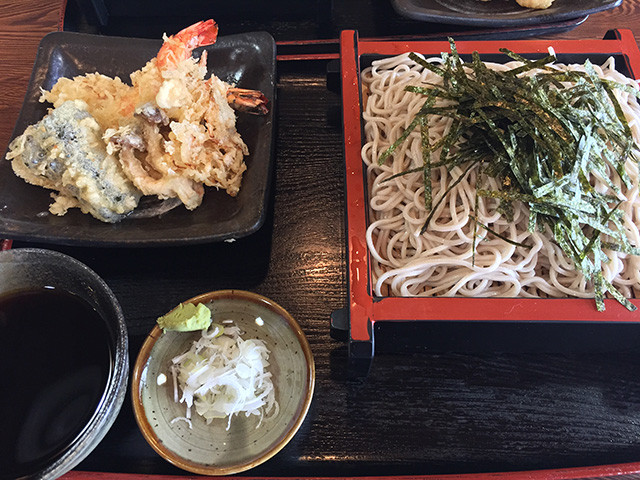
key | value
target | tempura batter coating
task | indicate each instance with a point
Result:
(65, 152)
(196, 142)
(168, 134)
(108, 99)
(188, 130)
(539, 4)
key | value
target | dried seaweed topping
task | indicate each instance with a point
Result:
(543, 133)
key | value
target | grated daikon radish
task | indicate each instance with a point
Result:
(223, 375)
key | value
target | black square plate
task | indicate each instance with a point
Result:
(247, 60)
(497, 13)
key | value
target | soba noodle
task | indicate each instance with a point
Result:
(442, 261)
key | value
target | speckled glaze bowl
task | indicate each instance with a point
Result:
(212, 449)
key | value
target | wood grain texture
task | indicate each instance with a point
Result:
(22, 26)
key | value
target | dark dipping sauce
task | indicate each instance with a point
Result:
(55, 360)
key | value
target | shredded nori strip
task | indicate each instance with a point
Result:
(542, 136)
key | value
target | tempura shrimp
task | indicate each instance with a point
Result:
(183, 124)
(177, 48)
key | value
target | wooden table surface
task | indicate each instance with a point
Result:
(415, 414)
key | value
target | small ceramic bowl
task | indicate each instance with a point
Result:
(56, 427)
(211, 449)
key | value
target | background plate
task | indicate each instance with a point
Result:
(247, 60)
(497, 13)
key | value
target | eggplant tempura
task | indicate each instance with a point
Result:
(65, 152)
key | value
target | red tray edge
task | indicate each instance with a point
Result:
(615, 470)
(365, 309)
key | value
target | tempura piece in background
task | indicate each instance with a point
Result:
(538, 4)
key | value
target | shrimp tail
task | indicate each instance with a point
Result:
(248, 101)
(179, 47)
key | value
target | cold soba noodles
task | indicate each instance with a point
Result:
(455, 256)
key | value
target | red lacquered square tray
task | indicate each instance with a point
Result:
(364, 308)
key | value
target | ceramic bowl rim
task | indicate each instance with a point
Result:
(143, 358)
